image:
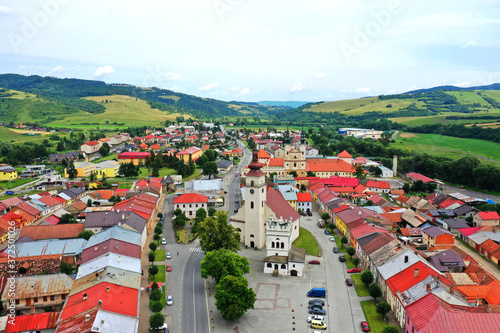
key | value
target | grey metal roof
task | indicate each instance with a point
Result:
(109, 274)
(434, 231)
(287, 188)
(397, 264)
(109, 260)
(482, 236)
(446, 259)
(223, 164)
(289, 196)
(206, 185)
(457, 223)
(115, 218)
(39, 285)
(47, 247)
(112, 322)
(117, 233)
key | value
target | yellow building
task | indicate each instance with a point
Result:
(108, 169)
(8, 173)
(84, 169)
(194, 152)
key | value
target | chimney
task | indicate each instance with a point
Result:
(406, 259)
(99, 303)
(87, 318)
(428, 287)
(117, 245)
(85, 296)
(107, 289)
(415, 274)
(395, 165)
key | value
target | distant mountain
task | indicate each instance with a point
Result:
(493, 86)
(292, 104)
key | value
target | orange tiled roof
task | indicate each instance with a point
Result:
(344, 154)
(328, 165)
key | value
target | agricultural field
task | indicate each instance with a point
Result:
(121, 111)
(15, 135)
(468, 97)
(487, 125)
(429, 120)
(448, 146)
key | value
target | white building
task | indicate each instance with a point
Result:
(189, 203)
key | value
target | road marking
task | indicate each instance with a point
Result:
(195, 249)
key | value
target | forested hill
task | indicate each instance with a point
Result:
(70, 92)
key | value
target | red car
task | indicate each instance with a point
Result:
(354, 270)
(169, 268)
(365, 327)
(314, 262)
(348, 281)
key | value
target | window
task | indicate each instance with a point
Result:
(196, 205)
(282, 245)
(17, 302)
(269, 265)
(283, 266)
(252, 183)
(45, 298)
(63, 296)
(293, 265)
(251, 205)
(272, 245)
(35, 300)
(53, 298)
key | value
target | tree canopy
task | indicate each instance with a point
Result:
(233, 297)
(220, 263)
(216, 233)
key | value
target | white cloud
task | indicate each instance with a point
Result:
(362, 90)
(172, 76)
(461, 84)
(209, 86)
(101, 72)
(5, 10)
(25, 66)
(238, 91)
(392, 91)
(55, 69)
(319, 75)
(296, 87)
(471, 43)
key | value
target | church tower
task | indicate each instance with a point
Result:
(255, 201)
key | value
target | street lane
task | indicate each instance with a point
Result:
(194, 306)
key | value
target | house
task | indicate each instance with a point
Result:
(413, 177)
(223, 166)
(192, 153)
(452, 225)
(109, 259)
(369, 244)
(189, 203)
(69, 249)
(378, 186)
(212, 189)
(486, 218)
(58, 231)
(106, 169)
(413, 219)
(8, 173)
(84, 169)
(135, 157)
(91, 147)
(437, 239)
(105, 223)
(304, 202)
(491, 250)
(465, 211)
(447, 262)
(411, 235)
(36, 292)
(39, 322)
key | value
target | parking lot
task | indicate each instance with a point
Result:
(282, 304)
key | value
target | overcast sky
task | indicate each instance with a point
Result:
(253, 50)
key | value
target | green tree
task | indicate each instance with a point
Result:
(156, 172)
(216, 233)
(220, 263)
(147, 162)
(157, 237)
(155, 307)
(64, 163)
(367, 278)
(153, 246)
(177, 212)
(67, 268)
(154, 286)
(355, 261)
(351, 251)
(71, 170)
(60, 146)
(383, 308)
(233, 297)
(344, 241)
(212, 211)
(159, 215)
(86, 234)
(151, 257)
(158, 230)
(310, 174)
(325, 216)
(293, 173)
(155, 295)
(386, 137)
(67, 219)
(201, 214)
(180, 220)
(390, 329)
(374, 291)
(104, 150)
(210, 169)
(153, 270)
(89, 203)
(360, 172)
(375, 170)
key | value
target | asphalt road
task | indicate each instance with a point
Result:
(193, 300)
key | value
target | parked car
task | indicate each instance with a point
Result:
(331, 239)
(335, 249)
(354, 270)
(316, 305)
(163, 328)
(314, 262)
(348, 281)
(169, 268)
(365, 327)
(163, 241)
(170, 300)
(315, 317)
(317, 300)
(309, 213)
(9, 192)
(317, 311)
(169, 256)
(327, 232)
(342, 259)
(318, 324)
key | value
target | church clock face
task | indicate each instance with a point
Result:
(252, 191)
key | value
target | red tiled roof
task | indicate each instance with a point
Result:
(33, 322)
(378, 184)
(344, 154)
(52, 231)
(339, 181)
(431, 314)
(52, 220)
(403, 198)
(328, 165)
(28, 209)
(393, 217)
(190, 150)
(80, 205)
(190, 198)
(418, 176)
(489, 215)
(280, 206)
(49, 201)
(366, 229)
(119, 299)
(341, 208)
(276, 162)
(469, 231)
(304, 197)
(91, 143)
(406, 278)
(134, 154)
(263, 154)
(411, 232)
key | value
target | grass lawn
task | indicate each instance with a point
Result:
(360, 286)
(374, 319)
(18, 182)
(181, 234)
(3, 197)
(160, 255)
(196, 174)
(163, 172)
(160, 277)
(307, 241)
(106, 158)
(339, 245)
(348, 261)
(192, 237)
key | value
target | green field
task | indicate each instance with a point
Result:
(15, 136)
(448, 146)
(307, 242)
(429, 120)
(122, 111)
(469, 97)
(374, 319)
